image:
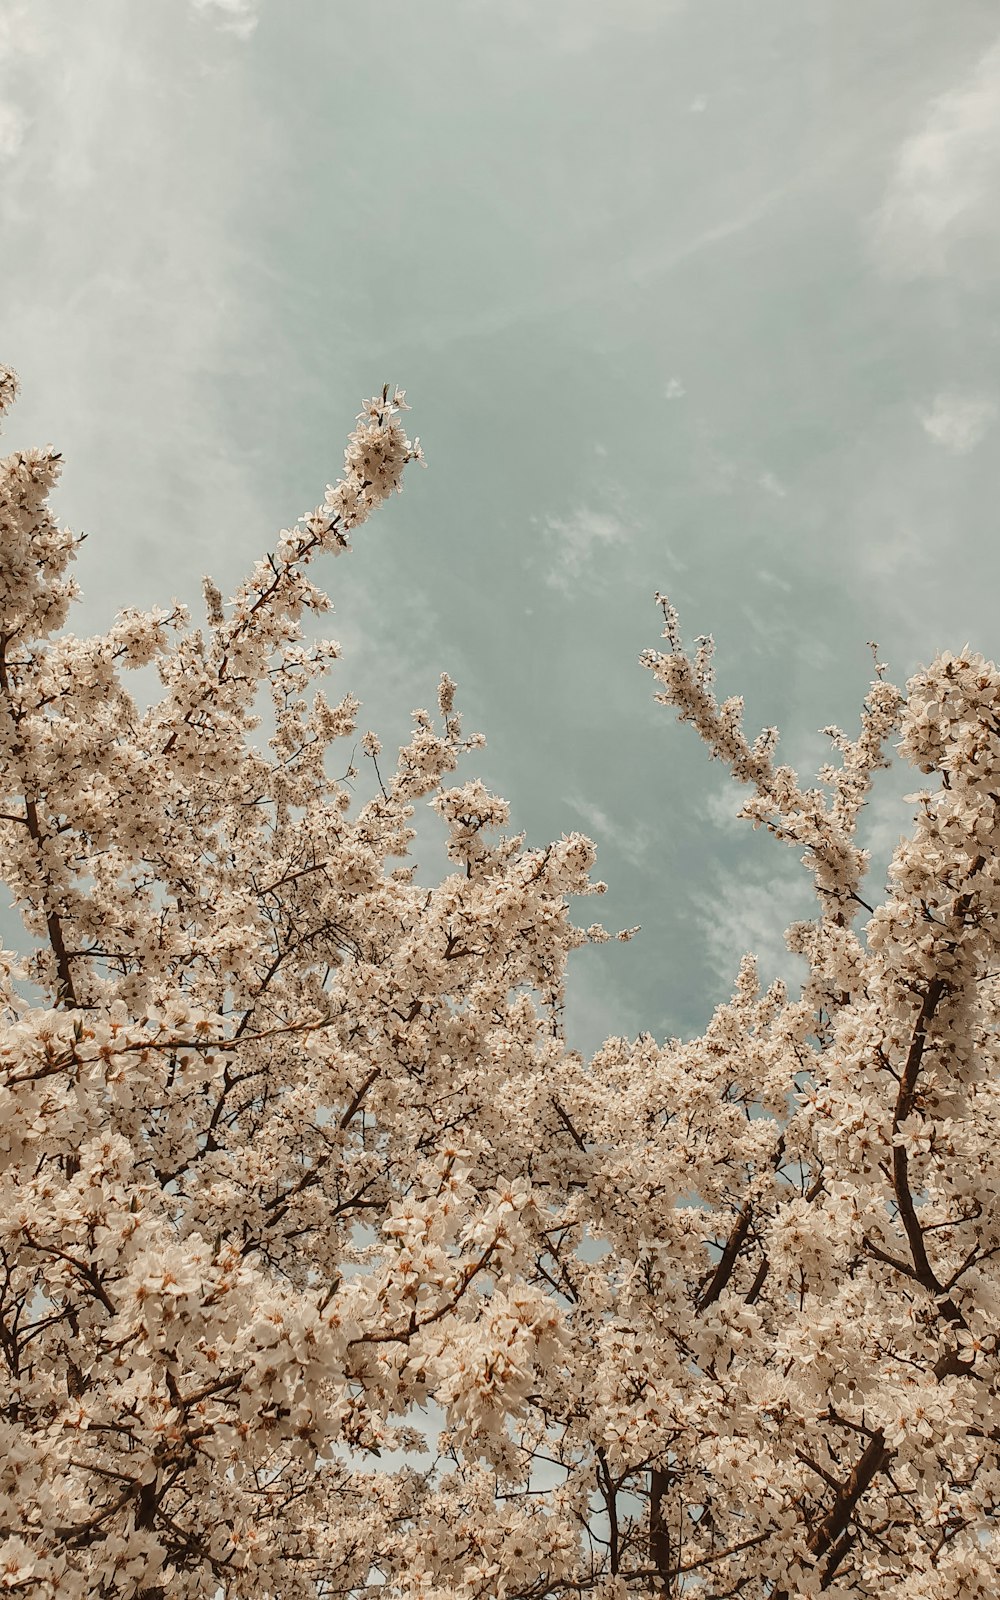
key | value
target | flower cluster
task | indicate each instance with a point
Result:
(327, 1266)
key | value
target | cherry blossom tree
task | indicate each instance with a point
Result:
(326, 1267)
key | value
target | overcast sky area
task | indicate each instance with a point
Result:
(686, 295)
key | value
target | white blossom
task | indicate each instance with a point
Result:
(326, 1265)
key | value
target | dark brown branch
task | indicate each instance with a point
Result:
(358, 1099)
(609, 1491)
(659, 1532)
(53, 925)
(873, 1459)
(760, 1279)
(567, 1124)
(727, 1261)
(835, 1558)
(900, 1161)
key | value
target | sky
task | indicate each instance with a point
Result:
(697, 296)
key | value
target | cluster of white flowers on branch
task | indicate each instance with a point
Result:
(292, 1147)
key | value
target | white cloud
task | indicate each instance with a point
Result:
(722, 807)
(959, 421)
(772, 484)
(12, 125)
(884, 821)
(141, 142)
(21, 38)
(940, 206)
(772, 580)
(232, 16)
(21, 30)
(631, 842)
(577, 539)
(750, 914)
(900, 549)
(673, 389)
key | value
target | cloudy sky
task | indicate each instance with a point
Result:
(689, 295)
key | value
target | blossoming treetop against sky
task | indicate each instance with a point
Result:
(684, 287)
(292, 1144)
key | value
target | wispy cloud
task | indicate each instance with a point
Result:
(576, 542)
(722, 807)
(592, 282)
(21, 39)
(902, 548)
(772, 484)
(13, 122)
(232, 16)
(942, 195)
(959, 421)
(751, 914)
(884, 821)
(773, 580)
(139, 143)
(631, 842)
